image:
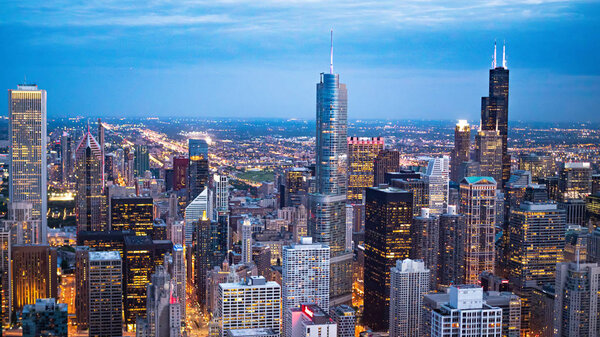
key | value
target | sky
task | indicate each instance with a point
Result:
(416, 59)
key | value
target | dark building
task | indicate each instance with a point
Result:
(362, 152)
(451, 259)
(180, 173)
(103, 241)
(595, 183)
(44, 318)
(109, 167)
(461, 151)
(388, 237)
(169, 179)
(33, 274)
(66, 157)
(198, 169)
(132, 213)
(420, 190)
(261, 255)
(494, 111)
(551, 184)
(386, 161)
(401, 174)
(141, 160)
(539, 166)
(210, 248)
(89, 172)
(575, 181)
(426, 243)
(295, 187)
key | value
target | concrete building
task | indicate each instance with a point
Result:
(409, 283)
(310, 321)
(345, 318)
(44, 318)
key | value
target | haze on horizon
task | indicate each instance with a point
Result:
(237, 58)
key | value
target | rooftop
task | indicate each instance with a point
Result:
(103, 256)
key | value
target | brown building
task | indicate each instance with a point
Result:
(33, 274)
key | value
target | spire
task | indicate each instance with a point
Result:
(504, 55)
(331, 54)
(494, 59)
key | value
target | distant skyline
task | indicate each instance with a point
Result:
(238, 58)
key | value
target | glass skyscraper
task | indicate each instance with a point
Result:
(27, 136)
(328, 206)
(198, 169)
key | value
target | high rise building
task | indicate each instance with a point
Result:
(575, 181)
(539, 166)
(246, 241)
(362, 152)
(177, 270)
(345, 318)
(66, 157)
(310, 321)
(426, 243)
(328, 205)
(104, 241)
(386, 161)
(451, 258)
(44, 318)
(180, 173)
(409, 282)
(209, 251)
(34, 275)
(462, 149)
(305, 276)
(388, 237)
(295, 187)
(28, 141)
(5, 275)
(494, 112)
(420, 191)
(254, 303)
(466, 315)
(536, 244)
(197, 209)
(488, 153)
(99, 301)
(576, 305)
(135, 214)
(198, 170)
(89, 173)
(23, 226)
(163, 310)
(478, 205)
(221, 194)
(438, 177)
(141, 160)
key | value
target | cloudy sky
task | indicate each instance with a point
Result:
(421, 59)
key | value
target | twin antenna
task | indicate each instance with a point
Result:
(503, 56)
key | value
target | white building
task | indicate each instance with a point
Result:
(305, 276)
(345, 318)
(409, 282)
(438, 177)
(310, 321)
(163, 312)
(246, 241)
(221, 194)
(198, 208)
(252, 304)
(104, 294)
(466, 315)
(178, 272)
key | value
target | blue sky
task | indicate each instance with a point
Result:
(422, 59)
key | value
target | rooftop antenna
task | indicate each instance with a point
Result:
(504, 55)
(331, 54)
(494, 59)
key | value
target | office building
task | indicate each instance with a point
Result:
(24, 227)
(426, 243)
(420, 191)
(89, 178)
(66, 158)
(104, 241)
(542, 311)
(451, 258)
(310, 321)
(488, 153)
(134, 214)
(99, 301)
(494, 113)
(209, 251)
(345, 318)
(362, 152)
(576, 310)
(327, 207)
(251, 304)
(409, 282)
(27, 146)
(44, 318)
(141, 160)
(33, 269)
(180, 173)
(466, 314)
(462, 149)
(198, 172)
(305, 276)
(246, 241)
(5, 275)
(575, 181)
(386, 161)
(295, 187)
(163, 309)
(540, 166)
(438, 175)
(478, 205)
(221, 194)
(388, 237)
(194, 212)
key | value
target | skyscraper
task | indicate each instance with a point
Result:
(34, 275)
(253, 303)
(66, 157)
(478, 205)
(197, 209)
(180, 173)
(420, 191)
(494, 111)
(27, 137)
(295, 187)
(163, 310)
(141, 160)
(328, 206)
(451, 258)
(362, 152)
(575, 181)
(310, 321)
(135, 214)
(576, 305)
(426, 243)
(438, 177)
(198, 170)
(23, 226)
(488, 153)
(5, 274)
(462, 149)
(89, 173)
(388, 237)
(408, 284)
(44, 318)
(246, 241)
(345, 318)
(305, 276)
(386, 161)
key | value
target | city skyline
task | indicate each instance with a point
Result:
(159, 59)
